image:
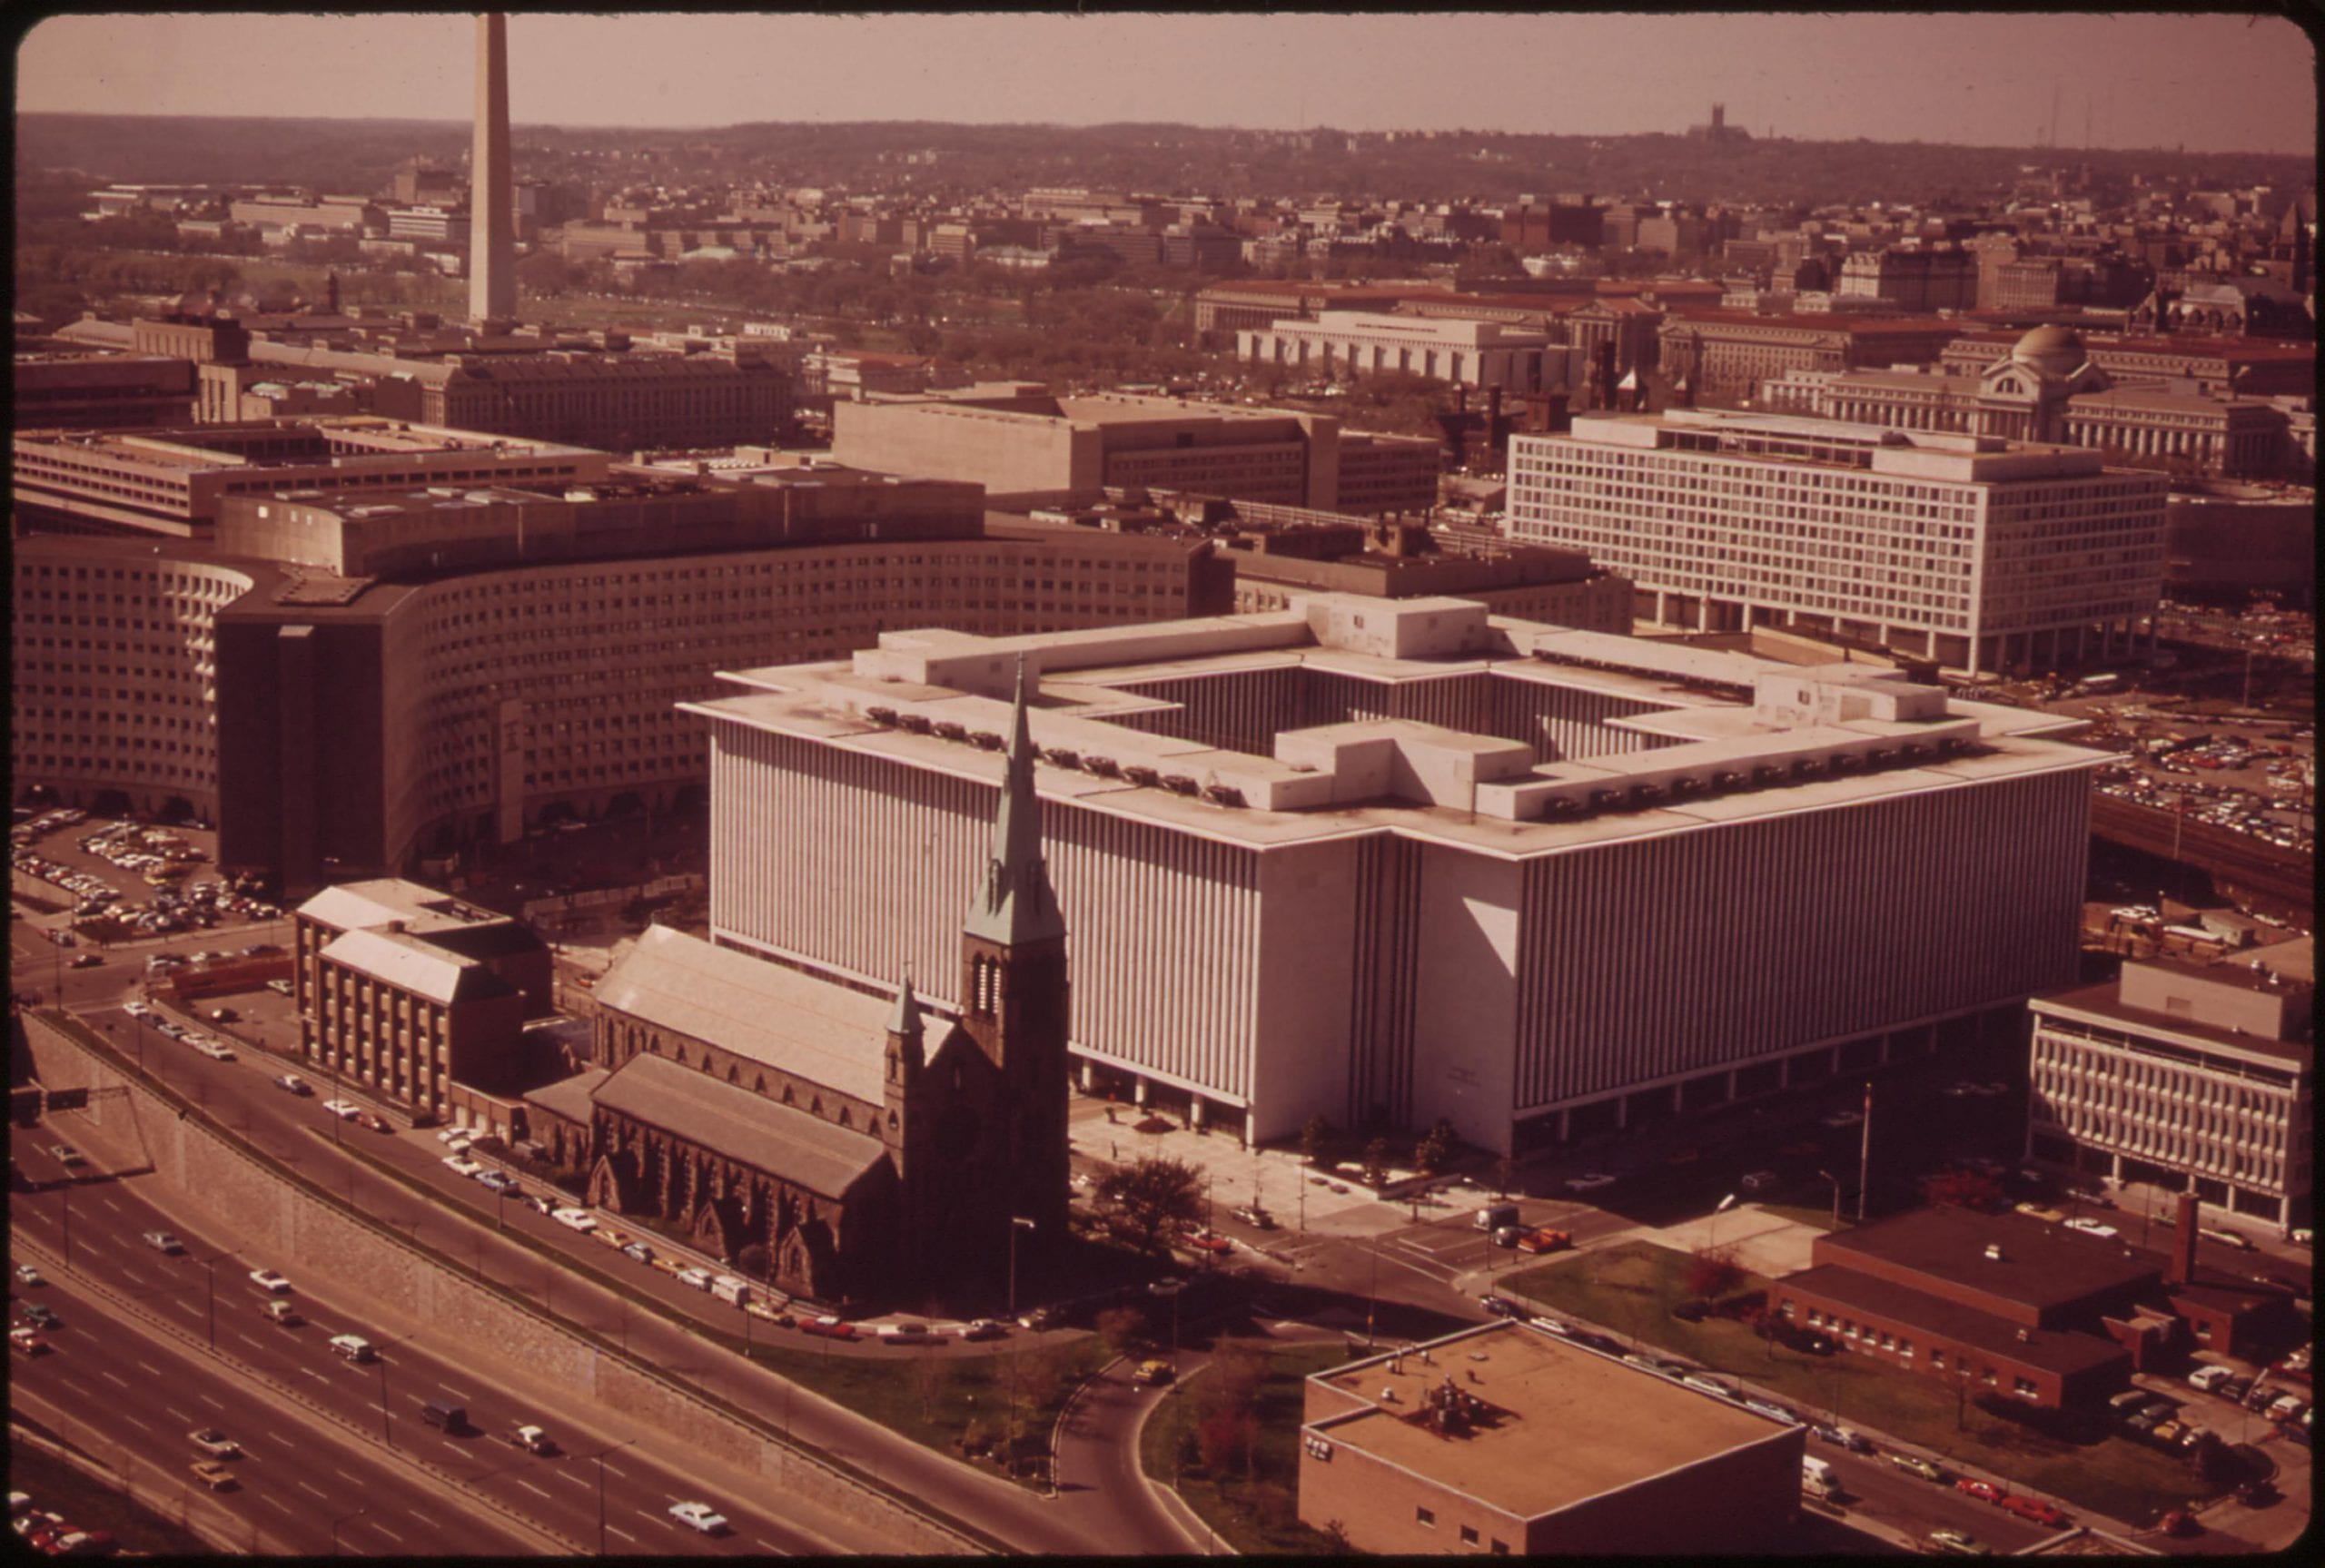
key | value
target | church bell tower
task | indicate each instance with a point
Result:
(1013, 994)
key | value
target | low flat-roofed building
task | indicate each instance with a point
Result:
(2008, 1303)
(1505, 1440)
(2194, 1077)
(91, 391)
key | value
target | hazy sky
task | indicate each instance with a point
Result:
(2214, 82)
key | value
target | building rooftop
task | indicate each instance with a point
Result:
(414, 965)
(747, 1127)
(1538, 1393)
(760, 1011)
(424, 911)
(2059, 1350)
(2041, 1267)
(1732, 736)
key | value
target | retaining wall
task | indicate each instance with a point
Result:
(208, 1174)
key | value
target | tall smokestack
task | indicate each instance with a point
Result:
(493, 262)
(2184, 1241)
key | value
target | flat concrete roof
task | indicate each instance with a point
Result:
(1526, 1459)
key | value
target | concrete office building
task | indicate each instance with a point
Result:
(1398, 859)
(2197, 1077)
(84, 391)
(1972, 552)
(172, 482)
(1465, 353)
(1030, 449)
(1722, 356)
(348, 680)
(1502, 1440)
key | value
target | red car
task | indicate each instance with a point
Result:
(2033, 1508)
(2179, 1522)
(1985, 1490)
(1203, 1241)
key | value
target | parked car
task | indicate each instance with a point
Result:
(698, 1278)
(638, 1251)
(1912, 1465)
(2033, 1508)
(498, 1182)
(273, 1283)
(345, 1110)
(1501, 1306)
(294, 1084)
(1958, 1544)
(1539, 1241)
(1761, 1181)
(215, 1051)
(2094, 1227)
(2041, 1211)
(1588, 1181)
(575, 1219)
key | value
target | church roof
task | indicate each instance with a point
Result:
(750, 1129)
(811, 1028)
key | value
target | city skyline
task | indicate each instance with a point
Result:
(2212, 83)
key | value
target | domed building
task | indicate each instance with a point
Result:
(2024, 397)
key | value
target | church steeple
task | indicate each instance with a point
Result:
(1015, 905)
(905, 1027)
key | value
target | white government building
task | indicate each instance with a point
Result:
(1410, 860)
(1465, 352)
(1970, 550)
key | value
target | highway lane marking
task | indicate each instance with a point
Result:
(134, 1422)
(387, 1532)
(452, 1391)
(175, 1413)
(612, 1470)
(534, 1489)
(109, 1203)
(149, 1367)
(109, 1377)
(74, 1387)
(132, 1274)
(278, 1507)
(343, 1475)
(618, 1530)
(210, 1401)
(314, 1492)
(569, 1475)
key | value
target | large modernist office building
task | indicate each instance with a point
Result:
(1402, 859)
(349, 679)
(1971, 551)
(1030, 449)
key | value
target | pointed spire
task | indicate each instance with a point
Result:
(904, 1020)
(1015, 903)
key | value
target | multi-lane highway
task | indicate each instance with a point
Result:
(207, 1293)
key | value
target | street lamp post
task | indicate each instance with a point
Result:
(1017, 1222)
(600, 1457)
(337, 1522)
(385, 1435)
(66, 1193)
(1828, 1176)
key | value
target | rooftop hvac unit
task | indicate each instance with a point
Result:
(948, 730)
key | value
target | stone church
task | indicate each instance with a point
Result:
(874, 1147)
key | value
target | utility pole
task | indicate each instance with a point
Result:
(600, 1457)
(1864, 1155)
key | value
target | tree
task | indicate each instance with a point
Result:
(1148, 1203)
(1376, 1162)
(1435, 1150)
(1314, 1139)
(1121, 1328)
(1226, 1437)
(1712, 1273)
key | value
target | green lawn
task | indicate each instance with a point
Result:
(1631, 1288)
(1259, 1515)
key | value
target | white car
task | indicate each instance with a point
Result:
(214, 1443)
(2094, 1227)
(273, 1283)
(1588, 1181)
(575, 1219)
(215, 1051)
(451, 1133)
(345, 1110)
(137, 1009)
(701, 1516)
(460, 1165)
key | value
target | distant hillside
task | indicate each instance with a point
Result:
(360, 154)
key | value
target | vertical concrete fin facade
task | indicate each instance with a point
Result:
(493, 262)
